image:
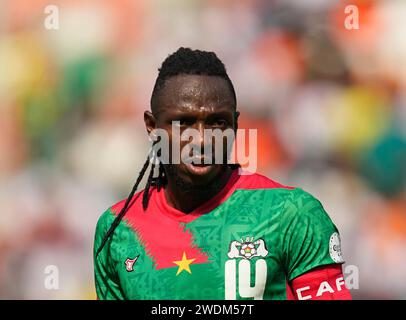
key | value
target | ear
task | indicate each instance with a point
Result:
(150, 121)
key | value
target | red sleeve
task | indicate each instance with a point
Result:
(322, 283)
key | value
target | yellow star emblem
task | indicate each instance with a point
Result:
(184, 264)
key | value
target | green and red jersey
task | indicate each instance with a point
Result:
(251, 241)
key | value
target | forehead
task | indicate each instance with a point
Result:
(185, 92)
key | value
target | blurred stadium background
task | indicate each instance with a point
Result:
(329, 104)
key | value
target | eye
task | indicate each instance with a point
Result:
(219, 123)
(183, 122)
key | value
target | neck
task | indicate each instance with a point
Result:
(187, 201)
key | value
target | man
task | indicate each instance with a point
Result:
(203, 231)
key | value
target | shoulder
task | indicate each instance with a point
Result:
(302, 201)
(256, 181)
(134, 205)
(305, 209)
(103, 223)
(134, 210)
(107, 217)
(295, 199)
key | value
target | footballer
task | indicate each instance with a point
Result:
(206, 231)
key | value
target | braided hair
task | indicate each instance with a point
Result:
(183, 61)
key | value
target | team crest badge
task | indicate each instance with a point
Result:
(247, 248)
(129, 263)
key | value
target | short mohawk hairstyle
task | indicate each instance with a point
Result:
(193, 62)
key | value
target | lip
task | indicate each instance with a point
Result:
(199, 170)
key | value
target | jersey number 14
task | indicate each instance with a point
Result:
(245, 289)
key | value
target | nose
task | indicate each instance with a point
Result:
(200, 128)
(200, 143)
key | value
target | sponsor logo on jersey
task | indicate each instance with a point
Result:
(247, 249)
(129, 263)
(335, 248)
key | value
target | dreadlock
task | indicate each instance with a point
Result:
(183, 61)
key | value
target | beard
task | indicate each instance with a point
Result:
(187, 186)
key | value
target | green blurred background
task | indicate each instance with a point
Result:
(329, 105)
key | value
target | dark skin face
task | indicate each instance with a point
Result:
(199, 102)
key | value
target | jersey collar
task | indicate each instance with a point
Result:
(207, 207)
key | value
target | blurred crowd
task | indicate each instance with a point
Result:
(329, 104)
